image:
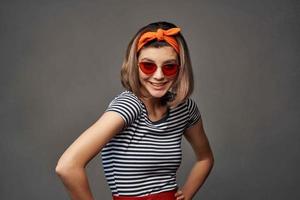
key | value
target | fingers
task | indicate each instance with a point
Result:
(179, 195)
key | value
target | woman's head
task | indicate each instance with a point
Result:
(165, 55)
(158, 69)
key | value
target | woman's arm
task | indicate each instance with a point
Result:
(197, 138)
(71, 165)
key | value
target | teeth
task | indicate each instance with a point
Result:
(157, 84)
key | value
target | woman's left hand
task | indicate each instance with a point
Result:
(179, 195)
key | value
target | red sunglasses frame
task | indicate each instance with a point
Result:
(149, 68)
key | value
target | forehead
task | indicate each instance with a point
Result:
(160, 54)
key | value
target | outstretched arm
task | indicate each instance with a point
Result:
(196, 136)
(71, 165)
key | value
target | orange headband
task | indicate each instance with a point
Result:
(160, 35)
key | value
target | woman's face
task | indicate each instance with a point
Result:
(156, 85)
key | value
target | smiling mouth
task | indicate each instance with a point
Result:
(158, 84)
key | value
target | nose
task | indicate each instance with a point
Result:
(158, 74)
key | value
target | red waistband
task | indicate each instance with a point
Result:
(168, 195)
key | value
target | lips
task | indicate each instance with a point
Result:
(158, 86)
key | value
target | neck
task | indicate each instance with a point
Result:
(151, 102)
(155, 109)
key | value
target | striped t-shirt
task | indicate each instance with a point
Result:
(143, 158)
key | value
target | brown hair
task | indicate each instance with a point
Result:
(184, 84)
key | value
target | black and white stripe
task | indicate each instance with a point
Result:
(144, 157)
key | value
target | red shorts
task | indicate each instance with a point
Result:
(168, 195)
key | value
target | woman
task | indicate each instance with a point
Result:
(139, 134)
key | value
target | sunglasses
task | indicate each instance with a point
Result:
(149, 68)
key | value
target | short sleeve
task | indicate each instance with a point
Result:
(194, 113)
(127, 105)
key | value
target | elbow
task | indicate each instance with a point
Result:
(65, 168)
(207, 160)
(61, 169)
(211, 160)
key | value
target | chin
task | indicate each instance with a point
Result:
(157, 94)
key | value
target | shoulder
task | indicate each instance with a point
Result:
(127, 104)
(193, 111)
(126, 98)
(191, 104)
(188, 104)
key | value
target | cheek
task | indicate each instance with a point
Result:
(172, 79)
(142, 77)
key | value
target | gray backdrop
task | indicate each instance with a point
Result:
(60, 63)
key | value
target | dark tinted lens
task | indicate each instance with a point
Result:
(147, 67)
(170, 69)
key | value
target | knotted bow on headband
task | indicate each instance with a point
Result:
(160, 35)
